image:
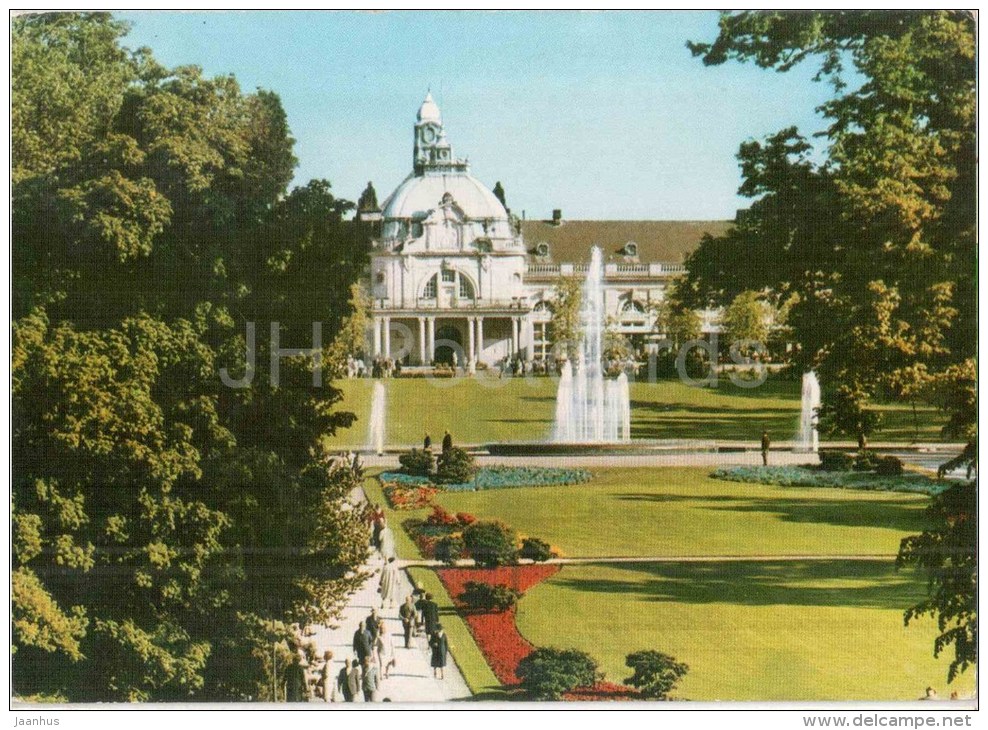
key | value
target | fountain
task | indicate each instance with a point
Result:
(808, 439)
(375, 433)
(589, 407)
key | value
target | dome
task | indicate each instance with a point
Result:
(416, 196)
(429, 112)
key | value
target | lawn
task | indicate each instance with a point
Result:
(485, 410)
(683, 512)
(749, 631)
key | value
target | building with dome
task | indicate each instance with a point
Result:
(455, 278)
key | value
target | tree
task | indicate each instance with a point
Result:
(547, 674)
(845, 413)
(499, 193)
(745, 320)
(368, 199)
(655, 674)
(565, 322)
(491, 544)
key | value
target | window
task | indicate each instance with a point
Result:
(449, 276)
(430, 289)
(542, 306)
(631, 248)
(542, 249)
(633, 306)
(466, 288)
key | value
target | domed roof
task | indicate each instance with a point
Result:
(417, 195)
(429, 112)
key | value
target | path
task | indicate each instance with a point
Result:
(672, 559)
(739, 458)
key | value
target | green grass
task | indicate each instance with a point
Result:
(681, 511)
(486, 410)
(749, 631)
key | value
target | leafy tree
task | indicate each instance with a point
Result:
(499, 193)
(368, 199)
(565, 322)
(655, 674)
(846, 414)
(491, 544)
(746, 319)
(455, 466)
(547, 674)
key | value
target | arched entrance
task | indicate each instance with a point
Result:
(445, 336)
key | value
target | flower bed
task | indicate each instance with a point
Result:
(495, 633)
(499, 477)
(801, 476)
(600, 692)
(411, 497)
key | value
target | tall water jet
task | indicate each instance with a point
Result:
(808, 438)
(589, 407)
(375, 434)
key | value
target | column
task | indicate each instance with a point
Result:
(480, 337)
(471, 353)
(376, 350)
(431, 339)
(529, 339)
(421, 340)
(387, 337)
(514, 335)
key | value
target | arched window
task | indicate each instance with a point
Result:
(466, 288)
(633, 309)
(542, 306)
(429, 292)
(631, 248)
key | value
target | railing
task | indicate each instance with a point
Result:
(613, 270)
(455, 305)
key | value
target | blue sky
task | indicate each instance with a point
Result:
(604, 115)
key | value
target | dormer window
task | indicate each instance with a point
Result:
(542, 249)
(631, 249)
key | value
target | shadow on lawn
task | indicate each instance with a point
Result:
(864, 584)
(906, 514)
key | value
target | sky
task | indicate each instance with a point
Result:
(604, 115)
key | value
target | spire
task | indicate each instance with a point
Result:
(429, 111)
(432, 151)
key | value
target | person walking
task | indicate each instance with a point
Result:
(343, 682)
(384, 650)
(766, 445)
(327, 686)
(447, 442)
(427, 443)
(440, 650)
(361, 643)
(296, 688)
(430, 614)
(371, 682)
(355, 682)
(373, 624)
(390, 582)
(386, 541)
(407, 615)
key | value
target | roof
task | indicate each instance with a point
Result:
(658, 241)
(416, 196)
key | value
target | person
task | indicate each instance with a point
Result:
(430, 614)
(361, 643)
(447, 442)
(296, 688)
(440, 648)
(377, 519)
(371, 682)
(355, 682)
(326, 685)
(931, 694)
(419, 595)
(343, 681)
(427, 443)
(384, 650)
(373, 624)
(766, 444)
(386, 541)
(407, 615)
(390, 580)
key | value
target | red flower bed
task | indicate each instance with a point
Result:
(496, 633)
(403, 498)
(602, 691)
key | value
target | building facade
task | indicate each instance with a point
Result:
(455, 278)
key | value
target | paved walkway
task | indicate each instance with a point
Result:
(738, 458)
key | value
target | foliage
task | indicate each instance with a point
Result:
(408, 498)
(535, 549)
(368, 199)
(845, 413)
(499, 193)
(455, 466)
(746, 319)
(481, 596)
(417, 462)
(864, 460)
(655, 674)
(889, 466)
(352, 337)
(491, 544)
(801, 476)
(565, 322)
(166, 526)
(836, 461)
(547, 673)
(448, 549)
(947, 553)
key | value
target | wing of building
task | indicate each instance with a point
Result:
(455, 278)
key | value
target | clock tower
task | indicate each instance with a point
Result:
(432, 152)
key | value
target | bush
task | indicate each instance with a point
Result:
(655, 674)
(836, 461)
(801, 476)
(440, 516)
(547, 674)
(534, 549)
(485, 597)
(465, 519)
(866, 460)
(889, 466)
(455, 466)
(448, 549)
(490, 544)
(417, 462)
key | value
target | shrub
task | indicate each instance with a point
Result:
(865, 460)
(417, 461)
(465, 518)
(534, 549)
(490, 544)
(836, 461)
(440, 516)
(801, 476)
(455, 466)
(549, 673)
(448, 549)
(889, 466)
(655, 674)
(485, 597)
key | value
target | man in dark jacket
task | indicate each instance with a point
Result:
(407, 615)
(430, 614)
(427, 443)
(296, 687)
(361, 643)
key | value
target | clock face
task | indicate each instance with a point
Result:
(429, 134)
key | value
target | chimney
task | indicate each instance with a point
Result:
(557, 216)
